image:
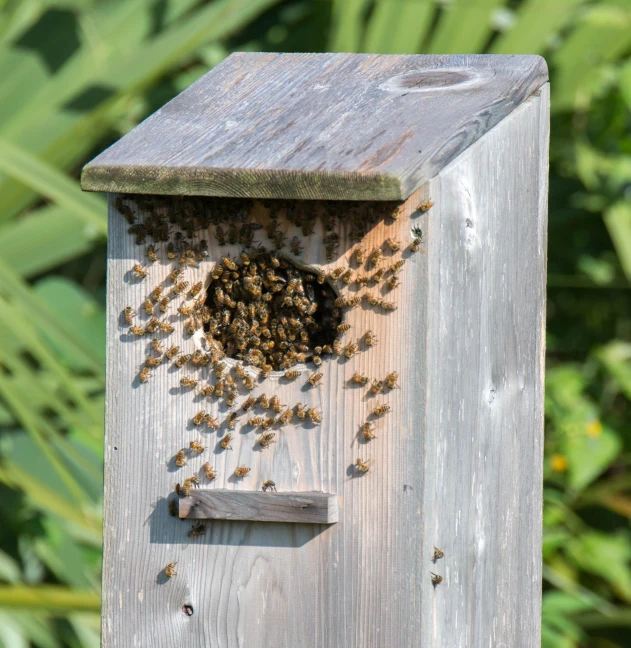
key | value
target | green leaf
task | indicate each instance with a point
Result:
(618, 221)
(616, 358)
(9, 568)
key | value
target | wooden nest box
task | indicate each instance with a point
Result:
(378, 220)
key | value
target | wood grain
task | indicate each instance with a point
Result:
(224, 504)
(317, 126)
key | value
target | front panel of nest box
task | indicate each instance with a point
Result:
(265, 347)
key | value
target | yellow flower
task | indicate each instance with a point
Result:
(594, 429)
(558, 463)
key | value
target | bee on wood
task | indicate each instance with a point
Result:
(425, 206)
(256, 421)
(337, 347)
(180, 458)
(211, 422)
(225, 442)
(182, 490)
(269, 485)
(351, 350)
(391, 380)
(274, 401)
(137, 330)
(207, 390)
(231, 398)
(353, 301)
(148, 306)
(374, 301)
(228, 263)
(348, 277)
(377, 276)
(315, 416)
(438, 554)
(317, 360)
(286, 416)
(156, 345)
(340, 302)
(174, 276)
(301, 412)
(242, 471)
(381, 410)
(199, 418)
(153, 362)
(220, 235)
(370, 339)
(359, 379)
(387, 305)
(266, 370)
(268, 423)
(198, 529)
(249, 403)
(321, 277)
(156, 293)
(362, 280)
(436, 579)
(375, 256)
(182, 359)
(231, 420)
(397, 266)
(359, 255)
(193, 480)
(315, 379)
(367, 430)
(139, 271)
(172, 351)
(337, 273)
(197, 447)
(393, 244)
(151, 253)
(186, 311)
(418, 239)
(203, 248)
(376, 387)
(240, 371)
(264, 402)
(145, 374)
(165, 327)
(292, 374)
(296, 247)
(249, 383)
(180, 287)
(129, 314)
(393, 282)
(362, 466)
(173, 508)
(153, 325)
(209, 471)
(266, 439)
(195, 289)
(169, 570)
(170, 251)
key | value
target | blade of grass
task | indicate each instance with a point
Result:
(52, 598)
(618, 222)
(348, 25)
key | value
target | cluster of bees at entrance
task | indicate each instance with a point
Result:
(261, 308)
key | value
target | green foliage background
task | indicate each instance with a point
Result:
(77, 74)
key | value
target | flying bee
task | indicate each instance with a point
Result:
(231, 420)
(169, 570)
(296, 246)
(274, 401)
(301, 412)
(359, 255)
(315, 379)
(269, 485)
(391, 380)
(180, 458)
(211, 422)
(145, 374)
(286, 416)
(375, 256)
(153, 362)
(198, 529)
(173, 508)
(209, 471)
(139, 271)
(292, 374)
(315, 416)
(397, 266)
(172, 351)
(137, 330)
(199, 418)
(225, 442)
(438, 554)
(256, 421)
(351, 350)
(249, 403)
(393, 282)
(381, 410)
(436, 579)
(264, 402)
(180, 287)
(129, 314)
(393, 244)
(359, 379)
(182, 359)
(376, 387)
(242, 471)
(367, 430)
(267, 439)
(370, 339)
(377, 276)
(151, 253)
(197, 447)
(148, 306)
(249, 383)
(425, 206)
(362, 466)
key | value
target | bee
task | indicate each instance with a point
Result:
(376, 387)
(199, 418)
(211, 422)
(317, 360)
(182, 359)
(315, 379)
(269, 485)
(197, 447)
(264, 402)
(153, 362)
(231, 398)
(256, 421)
(377, 276)
(353, 301)
(240, 371)
(286, 416)
(370, 339)
(148, 306)
(145, 374)
(436, 579)
(296, 247)
(362, 466)
(139, 271)
(180, 458)
(209, 471)
(180, 287)
(195, 288)
(166, 327)
(337, 273)
(129, 314)
(152, 325)
(351, 350)
(183, 490)
(157, 293)
(337, 347)
(169, 570)
(186, 311)
(266, 439)
(156, 345)
(198, 529)
(381, 410)
(203, 248)
(391, 380)
(172, 351)
(367, 431)
(361, 280)
(438, 554)
(173, 508)
(348, 277)
(249, 403)
(393, 244)
(249, 383)
(266, 370)
(387, 305)
(359, 255)
(220, 236)
(207, 390)
(425, 206)
(151, 253)
(321, 277)
(274, 401)
(231, 420)
(137, 330)
(315, 416)
(301, 412)
(359, 379)
(375, 256)
(170, 251)
(174, 276)
(229, 264)
(393, 282)
(193, 480)
(397, 266)
(225, 442)
(242, 471)
(374, 301)
(292, 374)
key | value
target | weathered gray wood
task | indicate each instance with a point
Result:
(326, 126)
(224, 504)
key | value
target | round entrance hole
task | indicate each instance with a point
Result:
(267, 312)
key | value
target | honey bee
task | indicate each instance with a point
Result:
(296, 247)
(268, 423)
(359, 379)
(180, 287)
(337, 347)
(336, 274)
(367, 431)
(249, 403)
(180, 458)
(375, 256)
(256, 421)
(393, 282)
(315, 379)
(148, 306)
(228, 263)
(156, 345)
(359, 254)
(199, 418)
(370, 339)
(436, 579)
(225, 442)
(351, 350)
(169, 570)
(361, 280)
(321, 277)
(269, 485)
(242, 471)
(266, 370)
(139, 271)
(187, 311)
(387, 305)
(175, 275)
(393, 244)
(231, 398)
(209, 471)
(240, 371)
(170, 251)
(317, 360)
(183, 490)
(315, 416)
(151, 253)
(153, 325)
(172, 351)
(195, 289)
(193, 480)
(264, 402)
(207, 390)
(173, 508)
(166, 327)
(301, 412)
(425, 206)
(198, 529)
(275, 403)
(348, 277)
(197, 447)
(397, 266)
(362, 466)
(292, 374)
(153, 362)
(438, 554)
(377, 276)
(182, 359)
(381, 410)
(249, 383)
(129, 314)
(137, 330)
(211, 422)
(391, 380)
(266, 439)
(231, 420)
(353, 301)
(286, 416)
(145, 374)
(376, 387)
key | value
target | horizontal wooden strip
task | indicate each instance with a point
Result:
(255, 506)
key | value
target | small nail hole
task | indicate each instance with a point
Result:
(187, 608)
